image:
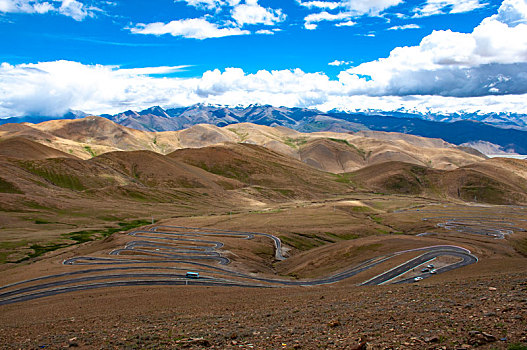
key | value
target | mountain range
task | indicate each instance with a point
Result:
(489, 133)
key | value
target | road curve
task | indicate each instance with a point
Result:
(176, 249)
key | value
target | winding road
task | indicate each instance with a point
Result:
(163, 254)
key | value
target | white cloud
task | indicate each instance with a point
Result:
(210, 4)
(491, 59)
(485, 70)
(265, 31)
(252, 13)
(52, 88)
(436, 7)
(338, 63)
(346, 24)
(330, 5)
(357, 7)
(195, 28)
(314, 18)
(370, 7)
(71, 8)
(404, 27)
(348, 9)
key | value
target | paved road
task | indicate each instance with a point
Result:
(174, 250)
(466, 259)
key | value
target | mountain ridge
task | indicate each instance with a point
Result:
(477, 132)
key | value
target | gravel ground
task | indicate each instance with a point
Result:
(486, 313)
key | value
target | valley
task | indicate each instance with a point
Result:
(97, 217)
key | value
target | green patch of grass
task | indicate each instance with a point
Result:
(400, 183)
(272, 211)
(8, 187)
(68, 181)
(8, 248)
(295, 142)
(360, 209)
(241, 134)
(377, 219)
(35, 205)
(285, 192)
(233, 170)
(89, 235)
(90, 151)
(359, 151)
(300, 243)
(345, 178)
(343, 236)
(39, 250)
(382, 232)
(78, 237)
(517, 346)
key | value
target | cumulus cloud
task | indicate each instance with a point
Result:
(265, 31)
(252, 13)
(53, 88)
(330, 5)
(370, 7)
(437, 7)
(242, 14)
(348, 9)
(210, 4)
(338, 63)
(490, 60)
(314, 18)
(485, 70)
(404, 27)
(71, 8)
(194, 28)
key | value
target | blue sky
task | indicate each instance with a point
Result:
(106, 56)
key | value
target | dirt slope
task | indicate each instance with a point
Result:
(491, 181)
(260, 167)
(23, 148)
(328, 151)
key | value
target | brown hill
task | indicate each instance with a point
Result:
(153, 170)
(332, 155)
(23, 148)
(492, 181)
(262, 168)
(340, 152)
(99, 131)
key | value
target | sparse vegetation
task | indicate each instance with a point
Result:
(56, 177)
(243, 135)
(360, 151)
(8, 187)
(78, 237)
(90, 151)
(295, 142)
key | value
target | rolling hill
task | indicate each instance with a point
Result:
(327, 151)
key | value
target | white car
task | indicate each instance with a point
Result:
(433, 271)
(417, 279)
(430, 266)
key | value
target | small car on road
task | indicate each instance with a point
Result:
(418, 278)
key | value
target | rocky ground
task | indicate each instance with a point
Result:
(487, 312)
